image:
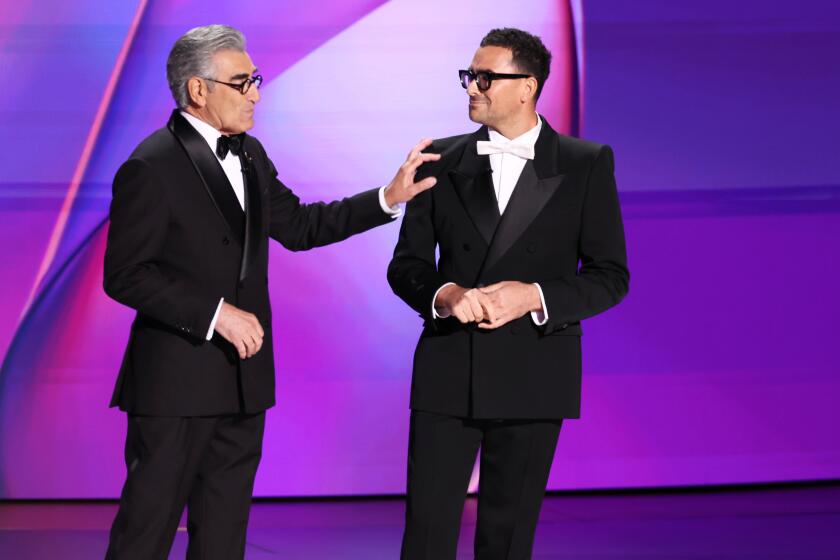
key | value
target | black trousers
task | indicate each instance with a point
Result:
(207, 463)
(516, 457)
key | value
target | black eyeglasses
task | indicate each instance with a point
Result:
(244, 86)
(484, 79)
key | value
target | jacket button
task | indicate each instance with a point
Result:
(225, 241)
(466, 247)
(565, 325)
(532, 248)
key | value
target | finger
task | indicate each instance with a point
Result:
(423, 158)
(424, 185)
(460, 316)
(487, 307)
(477, 311)
(249, 346)
(475, 307)
(412, 164)
(419, 147)
(466, 310)
(494, 324)
(240, 348)
(255, 340)
(489, 326)
(258, 327)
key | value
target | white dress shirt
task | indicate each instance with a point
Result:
(232, 167)
(506, 171)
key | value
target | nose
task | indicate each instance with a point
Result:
(253, 94)
(472, 89)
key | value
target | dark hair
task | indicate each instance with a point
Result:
(529, 53)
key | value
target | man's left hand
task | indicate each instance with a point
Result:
(510, 300)
(403, 188)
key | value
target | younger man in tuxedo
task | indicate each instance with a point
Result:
(528, 228)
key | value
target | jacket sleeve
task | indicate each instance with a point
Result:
(139, 218)
(299, 227)
(412, 272)
(602, 279)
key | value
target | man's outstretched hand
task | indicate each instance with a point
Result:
(240, 328)
(403, 188)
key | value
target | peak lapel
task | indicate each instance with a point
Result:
(528, 199)
(538, 182)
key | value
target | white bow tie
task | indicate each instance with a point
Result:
(521, 149)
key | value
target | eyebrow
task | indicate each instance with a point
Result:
(244, 76)
(474, 70)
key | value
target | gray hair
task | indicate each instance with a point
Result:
(192, 55)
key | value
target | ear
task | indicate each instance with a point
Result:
(529, 90)
(198, 91)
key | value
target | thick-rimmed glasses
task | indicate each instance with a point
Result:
(242, 87)
(484, 79)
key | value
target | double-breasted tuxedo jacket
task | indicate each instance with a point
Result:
(179, 241)
(562, 228)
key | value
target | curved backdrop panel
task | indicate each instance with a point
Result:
(718, 368)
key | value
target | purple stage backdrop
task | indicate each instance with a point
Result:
(720, 365)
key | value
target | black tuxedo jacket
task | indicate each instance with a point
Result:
(562, 228)
(178, 241)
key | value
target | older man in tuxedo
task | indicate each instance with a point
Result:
(192, 213)
(529, 232)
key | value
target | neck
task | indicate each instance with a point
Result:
(517, 126)
(204, 116)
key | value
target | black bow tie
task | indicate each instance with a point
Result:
(232, 144)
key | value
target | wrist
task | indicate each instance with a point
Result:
(443, 298)
(536, 300)
(388, 195)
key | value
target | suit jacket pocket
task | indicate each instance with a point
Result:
(572, 330)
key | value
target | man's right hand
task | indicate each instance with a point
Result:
(240, 328)
(402, 187)
(467, 305)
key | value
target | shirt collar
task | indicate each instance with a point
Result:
(207, 131)
(528, 138)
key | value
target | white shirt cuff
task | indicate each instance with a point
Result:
(213, 322)
(435, 314)
(393, 211)
(540, 317)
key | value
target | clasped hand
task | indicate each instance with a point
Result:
(490, 306)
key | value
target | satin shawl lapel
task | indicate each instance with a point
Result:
(538, 182)
(473, 183)
(253, 215)
(211, 174)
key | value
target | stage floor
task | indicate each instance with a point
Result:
(795, 523)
